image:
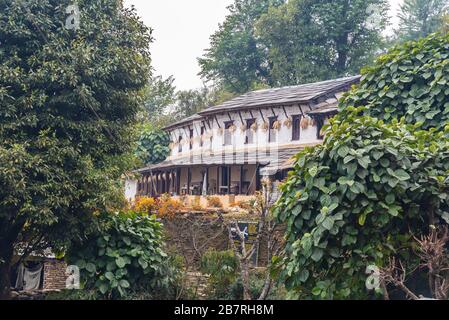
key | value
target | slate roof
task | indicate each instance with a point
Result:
(302, 94)
(282, 96)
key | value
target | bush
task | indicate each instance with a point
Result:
(153, 145)
(358, 200)
(124, 260)
(214, 202)
(163, 207)
(410, 81)
(222, 267)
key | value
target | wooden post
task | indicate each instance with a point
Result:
(241, 180)
(189, 177)
(207, 180)
(218, 179)
(229, 179)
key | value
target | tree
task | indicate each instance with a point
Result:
(357, 201)
(410, 81)
(312, 40)
(236, 59)
(153, 145)
(159, 96)
(69, 95)
(376, 183)
(189, 102)
(420, 18)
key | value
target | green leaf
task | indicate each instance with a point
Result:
(90, 267)
(120, 262)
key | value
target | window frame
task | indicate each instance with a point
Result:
(296, 132)
(271, 131)
(227, 133)
(249, 123)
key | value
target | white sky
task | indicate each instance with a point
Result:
(181, 30)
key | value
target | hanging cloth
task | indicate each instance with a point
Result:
(28, 279)
(32, 278)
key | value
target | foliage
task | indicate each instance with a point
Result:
(126, 257)
(153, 145)
(163, 207)
(420, 18)
(236, 59)
(410, 81)
(160, 95)
(68, 100)
(312, 40)
(359, 199)
(214, 202)
(222, 267)
(190, 102)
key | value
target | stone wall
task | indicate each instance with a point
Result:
(54, 274)
(191, 235)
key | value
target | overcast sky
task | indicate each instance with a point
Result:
(181, 30)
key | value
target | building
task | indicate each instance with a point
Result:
(227, 150)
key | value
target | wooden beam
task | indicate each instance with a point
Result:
(189, 177)
(241, 118)
(207, 180)
(218, 179)
(216, 120)
(241, 180)
(285, 111)
(229, 179)
(274, 114)
(261, 114)
(229, 115)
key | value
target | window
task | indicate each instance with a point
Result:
(180, 144)
(272, 134)
(296, 127)
(249, 132)
(191, 139)
(319, 126)
(203, 131)
(227, 133)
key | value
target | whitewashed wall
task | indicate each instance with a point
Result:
(307, 136)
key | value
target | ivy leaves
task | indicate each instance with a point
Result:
(153, 146)
(411, 82)
(129, 254)
(348, 202)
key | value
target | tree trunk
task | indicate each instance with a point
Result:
(245, 280)
(6, 252)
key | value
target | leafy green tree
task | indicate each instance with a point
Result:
(68, 100)
(312, 40)
(375, 183)
(410, 81)
(236, 59)
(420, 18)
(159, 96)
(153, 145)
(358, 200)
(126, 257)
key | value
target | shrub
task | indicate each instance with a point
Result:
(358, 200)
(214, 202)
(163, 207)
(146, 205)
(153, 145)
(410, 81)
(222, 267)
(124, 259)
(169, 207)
